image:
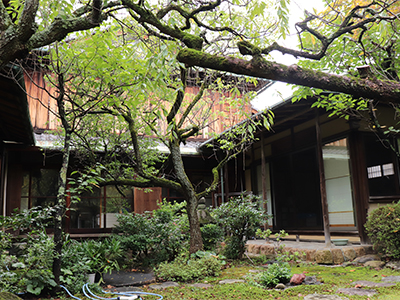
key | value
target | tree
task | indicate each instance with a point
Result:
(31, 24)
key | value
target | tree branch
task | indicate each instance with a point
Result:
(383, 90)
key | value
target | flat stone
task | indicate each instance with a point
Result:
(363, 259)
(374, 264)
(395, 265)
(337, 256)
(225, 281)
(123, 289)
(324, 257)
(323, 297)
(356, 292)
(124, 278)
(164, 285)
(311, 280)
(254, 271)
(391, 279)
(349, 253)
(374, 284)
(201, 285)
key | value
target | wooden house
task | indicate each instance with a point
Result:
(318, 173)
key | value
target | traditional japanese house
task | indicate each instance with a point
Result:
(31, 157)
(318, 173)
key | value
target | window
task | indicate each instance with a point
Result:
(96, 209)
(381, 168)
(39, 188)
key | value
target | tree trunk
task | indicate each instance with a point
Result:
(60, 209)
(196, 242)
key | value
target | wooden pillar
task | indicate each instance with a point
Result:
(322, 185)
(359, 181)
(263, 179)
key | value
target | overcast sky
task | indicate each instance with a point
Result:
(279, 90)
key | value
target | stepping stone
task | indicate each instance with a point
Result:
(164, 285)
(356, 291)
(373, 284)
(395, 265)
(201, 285)
(231, 281)
(369, 257)
(391, 279)
(374, 264)
(324, 297)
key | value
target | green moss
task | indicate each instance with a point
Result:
(192, 41)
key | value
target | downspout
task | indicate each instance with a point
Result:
(4, 175)
(222, 187)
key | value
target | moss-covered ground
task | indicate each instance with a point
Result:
(332, 277)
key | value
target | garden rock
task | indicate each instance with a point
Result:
(231, 281)
(349, 253)
(297, 279)
(356, 292)
(391, 279)
(164, 285)
(311, 280)
(337, 256)
(373, 284)
(8, 296)
(280, 286)
(365, 258)
(324, 257)
(395, 265)
(323, 297)
(374, 264)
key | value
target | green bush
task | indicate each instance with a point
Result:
(154, 236)
(184, 269)
(276, 273)
(239, 218)
(383, 228)
(211, 234)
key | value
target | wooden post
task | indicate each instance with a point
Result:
(322, 185)
(359, 182)
(263, 179)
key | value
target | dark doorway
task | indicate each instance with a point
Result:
(296, 192)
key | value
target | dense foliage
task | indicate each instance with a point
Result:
(154, 236)
(185, 269)
(383, 228)
(239, 217)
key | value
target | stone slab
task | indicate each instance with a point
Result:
(163, 285)
(356, 292)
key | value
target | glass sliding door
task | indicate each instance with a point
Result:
(338, 185)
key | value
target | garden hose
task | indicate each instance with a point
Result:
(120, 296)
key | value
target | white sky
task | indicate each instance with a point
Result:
(279, 90)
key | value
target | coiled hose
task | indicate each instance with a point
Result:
(120, 296)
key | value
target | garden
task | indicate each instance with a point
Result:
(159, 241)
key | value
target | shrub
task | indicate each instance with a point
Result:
(157, 236)
(383, 228)
(184, 269)
(240, 217)
(211, 234)
(276, 273)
